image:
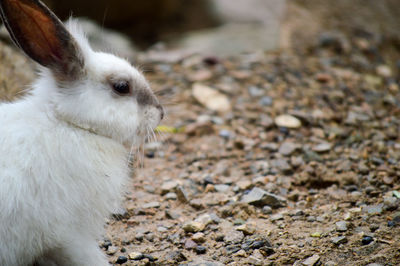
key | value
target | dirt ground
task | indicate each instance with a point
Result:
(301, 167)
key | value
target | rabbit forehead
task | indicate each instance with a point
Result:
(105, 66)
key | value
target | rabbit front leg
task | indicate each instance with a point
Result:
(79, 252)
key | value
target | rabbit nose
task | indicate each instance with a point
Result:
(161, 109)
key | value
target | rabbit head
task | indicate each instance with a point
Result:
(90, 90)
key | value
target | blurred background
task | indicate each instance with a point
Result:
(227, 27)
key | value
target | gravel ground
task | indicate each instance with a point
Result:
(269, 159)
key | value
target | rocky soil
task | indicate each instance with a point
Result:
(264, 158)
(269, 159)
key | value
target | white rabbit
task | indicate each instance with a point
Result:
(63, 163)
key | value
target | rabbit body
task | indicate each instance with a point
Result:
(63, 161)
(58, 183)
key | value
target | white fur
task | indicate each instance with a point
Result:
(63, 165)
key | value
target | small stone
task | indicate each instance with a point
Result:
(311, 261)
(206, 219)
(170, 214)
(373, 209)
(339, 240)
(171, 196)
(168, 186)
(190, 244)
(175, 257)
(367, 240)
(241, 253)
(150, 237)
(199, 238)
(112, 250)
(149, 257)
(287, 121)
(282, 165)
(222, 188)
(201, 262)
(276, 217)
(260, 197)
(255, 91)
(244, 184)
(246, 229)
(234, 236)
(121, 260)
(211, 98)
(193, 227)
(182, 194)
(330, 263)
(341, 226)
(197, 203)
(151, 205)
(384, 71)
(136, 256)
(267, 210)
(311, 219)
(162, 229)
(288, 148)
(323, 147)
(316, 234)
(201, 250)
(266, 101)
(226, 134)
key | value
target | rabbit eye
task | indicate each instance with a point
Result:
(121, 88)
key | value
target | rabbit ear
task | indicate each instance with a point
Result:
(43, 37)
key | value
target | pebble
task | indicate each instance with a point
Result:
(266, 101)
(207, 219)
(171, 214)
(199, 238)
(182, 194)
(151, 205)
(171, 196)
(211, 98)
(246, 229)
(222, 188)
(260, 197)
(193, 227)
(201, 250)
(339, 240)
(282, 165)
(168, 186)
(323, 147)
(367, 240)
(311, 261)
(112, 250)
(226, 134)
(121, 260)
(276, 217)
(136, 256)
(267, 209)
(311, 219)
(373, 209)
(384, 71)
(201, 262)
(255, 91)
(287, 121)
(244, 184)
(288, 148)
(341, 226)
(233, 236)
(190, 244)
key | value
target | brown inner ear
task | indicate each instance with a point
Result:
(34, 31)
